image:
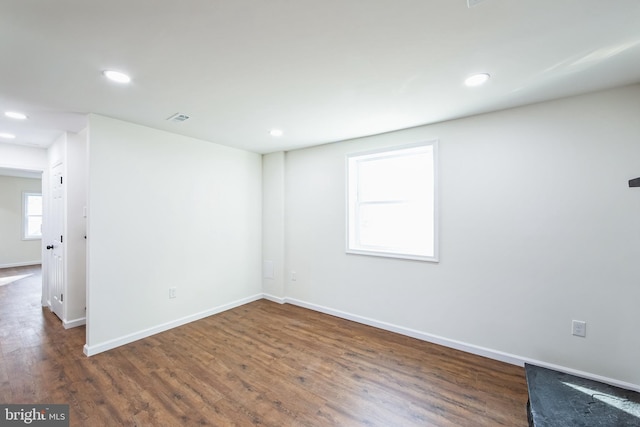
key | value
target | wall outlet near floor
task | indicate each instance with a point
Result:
(172, 292)
(579, 328)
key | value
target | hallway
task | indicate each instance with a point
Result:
(29, 334)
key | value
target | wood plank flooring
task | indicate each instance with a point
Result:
(260, 364)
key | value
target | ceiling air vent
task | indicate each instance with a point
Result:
(178, 117)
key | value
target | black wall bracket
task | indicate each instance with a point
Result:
(634, 182)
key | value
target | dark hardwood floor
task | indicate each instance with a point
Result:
(259, 364)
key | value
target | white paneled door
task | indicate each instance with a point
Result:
(55, 246)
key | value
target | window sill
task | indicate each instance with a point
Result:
(383, 254)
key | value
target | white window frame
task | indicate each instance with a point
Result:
(353, 246)
(25, 216)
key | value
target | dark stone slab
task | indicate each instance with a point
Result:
(557, 399)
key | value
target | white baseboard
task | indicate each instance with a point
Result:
(117, 342)
(458, 345)
(423, 336)
(68, 324)
(20, 264)
(274, 298)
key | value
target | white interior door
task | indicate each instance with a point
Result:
(55, 246)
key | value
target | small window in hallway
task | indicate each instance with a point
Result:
(32, 219)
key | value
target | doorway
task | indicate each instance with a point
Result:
(21, 218)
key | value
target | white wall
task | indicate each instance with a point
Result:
(14, 251)
(21, 157)
(76, 228)
(538, 227)
(166, 211)
(273, 225)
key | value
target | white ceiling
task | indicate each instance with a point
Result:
(322, 70)
(20, 173)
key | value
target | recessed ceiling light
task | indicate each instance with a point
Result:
(15, 115)
(116, 76)
(276, 132)
(477, 79)
(7, 135)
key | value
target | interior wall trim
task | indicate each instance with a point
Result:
(68, 324)
(117, 342)
(458, 345)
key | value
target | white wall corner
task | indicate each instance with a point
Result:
(275, 299)
(91, 350)
(68, 324)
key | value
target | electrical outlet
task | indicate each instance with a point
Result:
(579, 328)
(293, 276)
(172, 292)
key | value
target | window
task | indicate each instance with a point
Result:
(391, 202)
(32, 220)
